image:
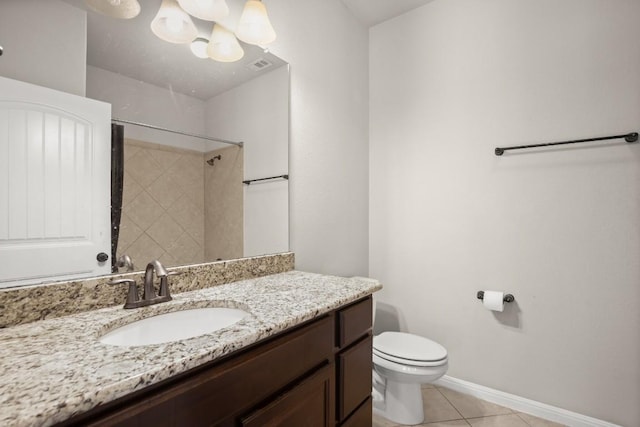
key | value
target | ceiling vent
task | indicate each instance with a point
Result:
(260, 64)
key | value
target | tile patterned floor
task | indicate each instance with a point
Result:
(444, 407)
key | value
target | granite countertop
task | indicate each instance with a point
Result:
(54, 369)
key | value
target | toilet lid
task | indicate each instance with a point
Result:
(400, 345)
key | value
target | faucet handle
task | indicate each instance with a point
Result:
(164, 284)
(132, 295)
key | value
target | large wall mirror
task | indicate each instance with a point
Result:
(193, 129)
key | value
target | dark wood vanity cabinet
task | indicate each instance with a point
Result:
(354, 363)
(309, 403)
(316, 374)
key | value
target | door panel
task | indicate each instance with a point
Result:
(54, 184)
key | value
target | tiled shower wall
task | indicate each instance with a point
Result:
(223, 204)
(177, 208)
(163, 205)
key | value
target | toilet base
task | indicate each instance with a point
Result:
(402, 403)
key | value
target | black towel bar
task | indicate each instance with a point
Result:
(629, 137)
(249, 181)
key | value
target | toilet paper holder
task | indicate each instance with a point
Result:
(507, 297)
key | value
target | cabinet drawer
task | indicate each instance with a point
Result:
(308, 404)
(354, 377)
(354, 322)
(362, 417)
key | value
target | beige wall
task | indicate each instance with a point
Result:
(57, 57)
(163, 205)
(558, 227)
(328, 154)
(223, 206)
(141, 102)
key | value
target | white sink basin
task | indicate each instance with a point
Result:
(174, 326)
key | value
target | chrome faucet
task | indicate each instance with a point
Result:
(149, 292)
(125, 262)
(149, 295)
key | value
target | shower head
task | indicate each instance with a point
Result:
(213, 159)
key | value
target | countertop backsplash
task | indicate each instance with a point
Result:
(39, 302)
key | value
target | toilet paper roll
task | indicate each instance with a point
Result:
(493, 300)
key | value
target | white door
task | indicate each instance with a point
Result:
(55, 180)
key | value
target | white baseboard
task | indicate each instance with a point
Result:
(522, 404)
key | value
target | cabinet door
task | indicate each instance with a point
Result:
(354, 322)
(354, 377)
(308, 404)
(159, 411)
(362, 417)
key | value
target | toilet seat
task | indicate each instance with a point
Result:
(409, 362)
(409, 349)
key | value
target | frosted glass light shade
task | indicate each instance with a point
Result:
(223, 45)
(121, 9)
(173, 24)
(254, 26)
(199, 47)
(208, 10)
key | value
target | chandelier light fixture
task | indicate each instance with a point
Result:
(172, 24)
(254, 26)
(121, 9)
(207, 10)
(224, 46)
(199, 47)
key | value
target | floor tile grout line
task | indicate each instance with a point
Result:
(452, 405)
(467, 420)
(512, 411)
(496, 416)
(525, 421)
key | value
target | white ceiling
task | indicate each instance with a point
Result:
(372, 12)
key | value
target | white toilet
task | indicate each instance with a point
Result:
(401, 363)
